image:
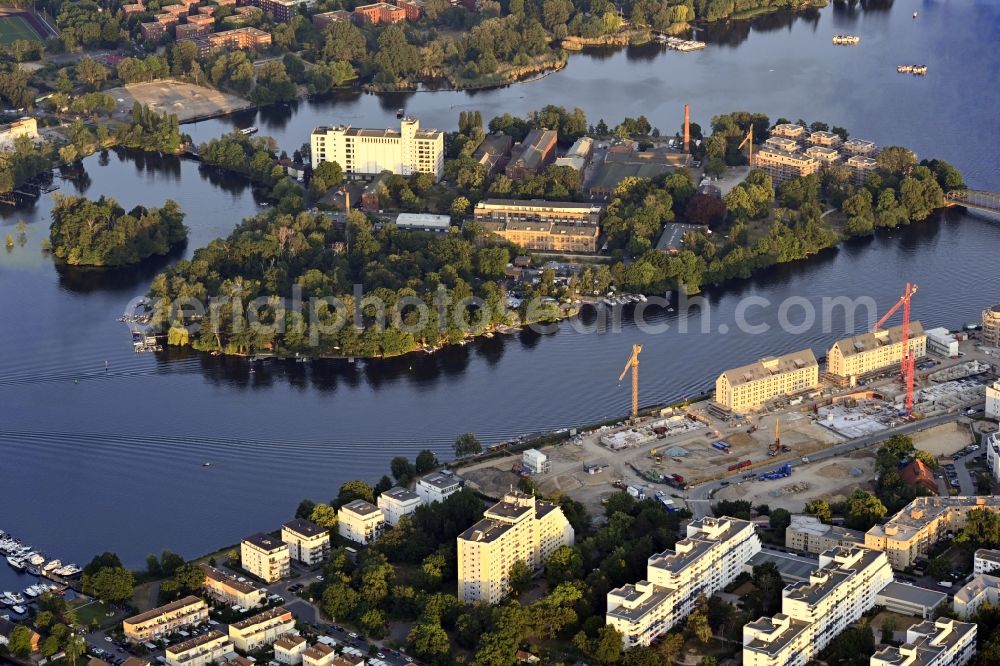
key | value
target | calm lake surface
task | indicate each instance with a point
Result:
(97, 459)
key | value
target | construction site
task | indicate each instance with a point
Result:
(664, 453)
(187, 101)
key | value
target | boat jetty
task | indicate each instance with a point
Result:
(678, 44)
(917, 70)
(846, 40)
(23, 559)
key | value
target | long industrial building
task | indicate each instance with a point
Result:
(406, 151)
(710, 557)
(542, 225)
(813, 612)
(852, 358)
(751, 386)
(519, 528)
(941, 642)
(909, 535)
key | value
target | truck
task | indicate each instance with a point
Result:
(638, 493)
(780, 473)
(678, 478)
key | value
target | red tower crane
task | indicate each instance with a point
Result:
(906, 364)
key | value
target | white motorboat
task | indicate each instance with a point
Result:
(36, 559)
(54, 564)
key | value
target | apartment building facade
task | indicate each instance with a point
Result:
(319, 654)
(861, 166)
(211, 648)
(789, 130)
(405, 151)
(783, 166)
(858, 147)
(941, 642)
(710, 557)
(909, 535)
(379, 13)
(360, 521)
(166, 619)
(229, 590)
(991, 326)
(308, 543)
(986, 560)
(246, 38)
(852, 358)
(814, 612)
(809, 534)
(262, 629)
(398, 502)
(751, 386)
(824, 138)
(437, 487)
(542, 225)
(519, 528)
(823, 154)
(981, 590)
(265, 557)
(289, 648)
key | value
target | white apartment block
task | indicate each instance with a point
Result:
(163, 620)
(993, 400)
(230, 590)
(360, 521)
(813, 612)
(262, 629)
(985, 560)
(520, 528)
(983, 589)
(289, 648)
(810, 534)
(319, 654)
(992, 444)
(406, 151)
(942, 642)
(308, 543)
(710, 557)
(398, 502)
(536, 462)
(201, 651)
(863, 354)
(437, 487)
(265, 557)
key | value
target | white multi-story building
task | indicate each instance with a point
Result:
(710, 557)
(813, 612)
(437, 487)
(535, 461)
(262, 629)
(360, 521)
(265, 557)
(213, 647)
(520, 528)
(307, 542)
(986, 560)
(289, 648)
(809, 533)
(319, 654)
(941, 642)
(406, 151)
(993, 400)
(992, 444)
(983, 589)
(398, 502)
(942, 342)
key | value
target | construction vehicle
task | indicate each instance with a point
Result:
(746, 141)
(776, 445)
(633, 364)
(906, 362)
(780, 473)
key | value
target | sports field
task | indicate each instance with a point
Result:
(13, 28)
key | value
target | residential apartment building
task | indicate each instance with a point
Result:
(753, 385)
(371, 151)
(414, 9)
(326, 18)
(519, 528)
(942, 342)
(782, 165)
(360, 521)
(437, 487)
(941, 642)
(229, 590)
(158, 622)
(262, 629)
(810, 534)
(289, 648)
(986, 560)
(858, 147)
(152, 31)
(537, 210)
(191, 30)
(531, 156)
(782, 143)
(790, 131)
(813, 612)
(27, 127)
(824, 138)
(211, 648)
(852, 358)
(238, 38)
(280, 10)
(983, 589)
(398, 502)
(861, 166)
(991, 326)
(909, 535)
(379, 13)
(823, 154)
(265, 557)
(710, 557)
(319, 654)
(992, 444)
(308, 543)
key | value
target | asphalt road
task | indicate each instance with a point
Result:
(699, 497)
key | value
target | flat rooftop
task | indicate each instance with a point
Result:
(265, 542)
(154, 613)
(306, 528)
(361, 507)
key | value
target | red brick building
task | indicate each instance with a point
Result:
(326, 18)
(152, 31)
(378, 13)
(191, 30)
(414, 8)
(531, 156)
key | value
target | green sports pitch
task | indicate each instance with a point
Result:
(13, 28)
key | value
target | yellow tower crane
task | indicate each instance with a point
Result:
(633, 363)
(748, 140)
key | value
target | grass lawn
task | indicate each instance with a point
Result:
(93, 610)
(13, 28)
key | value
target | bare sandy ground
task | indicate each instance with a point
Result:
(185, 100)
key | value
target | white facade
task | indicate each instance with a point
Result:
(207, 649)
(981, 590)
(941, 342)
(813, 612)
(992, 443)
(986, 560)
(289, 648)
(993, 401)
(437, 487)
(942, 642)
(307, 542)
(520, 528)
(535, 461)
(265, 557)
(398, 502)
(709, 558)
(407, 151)
(423, 222)
(360, 521)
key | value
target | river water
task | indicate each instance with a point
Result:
(96, 456)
